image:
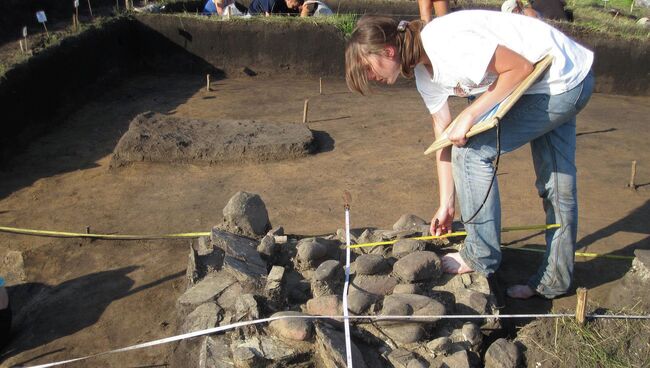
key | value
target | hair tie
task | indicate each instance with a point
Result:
(402, 25)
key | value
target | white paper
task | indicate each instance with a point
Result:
(25, 31)
(76, 3)
(40, 15)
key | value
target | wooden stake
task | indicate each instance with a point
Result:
(304, 112)
(581, 305)
(21, 46)
(320, 86)
(207, 84)
(90, 9)
(46, 32)
(74, 22)
(632, 176)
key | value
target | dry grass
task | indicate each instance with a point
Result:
(615, 343)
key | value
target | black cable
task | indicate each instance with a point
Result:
(494, 175)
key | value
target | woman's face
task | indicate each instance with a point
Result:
(383, 68)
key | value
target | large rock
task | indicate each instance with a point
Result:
(215, 353)
(241, 257)
(404, 331)
(400, 358)
(379, 285)
(459, 359)
(407, 289)
(272, 349)
(404, 247)
(329, 305)
(246, 213)
(370, 264)
(409, 222)
(274, 289)
(299, 329)
(246, 357)
(440, 346)
(331, 349)
(502, 354)
(268, 247)
(418, 266)
(312, 251)
(206, 290)
(203, 317)
(359, 301)
(329, 271)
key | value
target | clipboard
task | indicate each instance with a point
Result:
(493, 118)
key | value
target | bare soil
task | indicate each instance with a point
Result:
(82, 297)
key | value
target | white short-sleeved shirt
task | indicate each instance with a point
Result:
(460, 46)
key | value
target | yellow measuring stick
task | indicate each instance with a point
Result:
(459, 233)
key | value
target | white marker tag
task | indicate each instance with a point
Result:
(76, 3)
(25, 31)
(40, 15)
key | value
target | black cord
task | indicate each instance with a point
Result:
(494, 175)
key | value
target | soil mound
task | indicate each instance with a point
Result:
(154, 137)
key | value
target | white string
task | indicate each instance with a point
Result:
(346, 315)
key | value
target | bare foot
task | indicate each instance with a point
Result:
(520, 292)
(453, 263)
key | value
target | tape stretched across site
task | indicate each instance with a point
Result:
(491, 119)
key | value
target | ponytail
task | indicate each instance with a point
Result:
(370, 37)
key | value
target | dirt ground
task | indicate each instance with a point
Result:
(82, 297)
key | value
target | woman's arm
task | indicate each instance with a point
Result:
(443, 218)
(511, 68)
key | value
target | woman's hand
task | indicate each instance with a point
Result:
(442, 220)
(458, 133)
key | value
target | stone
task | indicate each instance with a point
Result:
(330, 347)
(276, 231)
(310, 251)
(329, 271)
(273, 289)
(241, 257)
(203, 317)
(642, 3)
(299, 329)
(418, 266)
(267, 247)
(215, 353)
(359, 302)
(206, 290)
(247, 212)
(329, 305)
(400, 358)
(470, 302)
(246, 357)
(409, 222)
(370, 264)
(502, 354)
(246, 308)
(416, 363)
(407, 332)
(272, 349)
(407, 289)
(641, 264)
(379, 285)
(192, 272)
(459, 359)
(13, 267)
(472, 335)
(405, 247)
(204, 245)
(440, 346)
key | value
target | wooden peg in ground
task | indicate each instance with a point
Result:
(631, 184)
(320, 86)
(207, 85)
(22, 49)
(304, 112)
(581, 305)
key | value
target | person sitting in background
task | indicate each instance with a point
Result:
(517, 7)
(317, 8)
(267, 7)
(5, 314)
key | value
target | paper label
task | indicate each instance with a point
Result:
(76, 3)
(40, 15)
(25, 31)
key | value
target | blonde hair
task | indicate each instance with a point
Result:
(370, 37)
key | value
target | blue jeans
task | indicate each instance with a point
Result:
(549, 124)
